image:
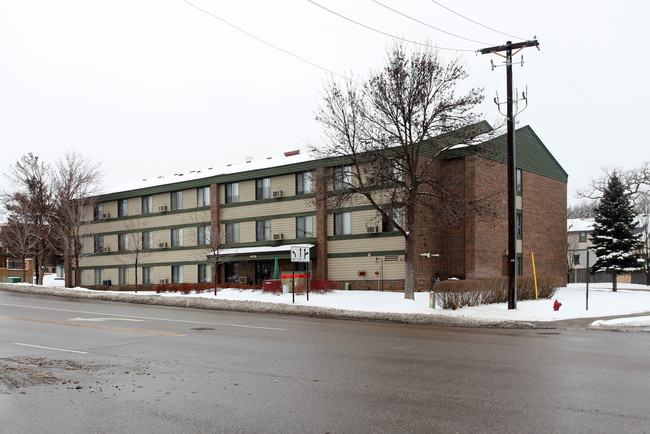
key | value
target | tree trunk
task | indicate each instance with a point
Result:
(614, 282)
(77, 272)
(409, 268)
(67, 269)
(136, 275)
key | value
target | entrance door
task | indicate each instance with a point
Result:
(263, 271)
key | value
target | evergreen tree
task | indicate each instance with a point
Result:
(615, 242)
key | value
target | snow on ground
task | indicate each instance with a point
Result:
(603, 303)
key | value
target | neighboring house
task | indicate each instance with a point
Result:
(12, 269)
(578, 243)
(261, 207)
(579, 232)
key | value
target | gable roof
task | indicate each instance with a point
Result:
(532, 155)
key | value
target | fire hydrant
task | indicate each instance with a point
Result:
(556, 305)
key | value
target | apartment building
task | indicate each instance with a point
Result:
(251, 213)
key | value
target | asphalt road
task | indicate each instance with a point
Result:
(73, 365)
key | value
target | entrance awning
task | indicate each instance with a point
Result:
(264, 251)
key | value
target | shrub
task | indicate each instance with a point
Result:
(322, 286)
(272, 286)
(187, 288)
(454, 294)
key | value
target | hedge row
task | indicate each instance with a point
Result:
(187, 288)
(454, 294)
(319, 286)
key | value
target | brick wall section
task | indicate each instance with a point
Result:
(489, 239)
(426, 236)
(321, 269)
(544, 225)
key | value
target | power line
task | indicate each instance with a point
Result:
(384, 33)
(602, 113)
(475, 22)
(428, 25)
(266, 42)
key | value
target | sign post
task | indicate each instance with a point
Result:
(298, 254)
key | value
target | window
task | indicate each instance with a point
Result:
(304, 227)
(205, 273)
(397, 215)
(147, 204)
(583, 237)
(518, 181)
(232, 192)
(122, 208)
(203, 235)
(99, 276)
(263, 188)
(518, 225)
(177, 274)
(232, 271)
(304, 183)
(262, 230)
(343, 223)
(177, 237)
(99, 243)
(122, 242)
(147, 240)
(177, 200)
(123, 276)
(203, 196)
(232, 232)
(147, 275)
(576, 259)
(98, 211)
(342, 177)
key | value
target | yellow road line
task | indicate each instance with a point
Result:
(93, 327)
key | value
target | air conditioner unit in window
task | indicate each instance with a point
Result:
(372, 229)
(163, 245)
(243, 280)
(107, 215)
(163, 281)
(106, 249)
(278, 236)
(277, 193)
(162, 208)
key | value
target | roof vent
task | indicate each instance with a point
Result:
(292, 153)
(249, 159)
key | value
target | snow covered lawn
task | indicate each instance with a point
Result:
(603, 303)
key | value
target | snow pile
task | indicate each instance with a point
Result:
(630, 299)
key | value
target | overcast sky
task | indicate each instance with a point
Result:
(155, 87)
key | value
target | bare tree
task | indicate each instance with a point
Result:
(31, 182)
(636, 182)
(18, 235)
(76, 184)
(584, 209)
(390, 131)
(571, 252)
(134, 246)
(643, 218)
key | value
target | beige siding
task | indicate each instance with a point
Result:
(348, 268)
(371, 244)
(286, 184)
(268, 209)
(246, 232)
(110, 208)
(135, 206)
(246, 191)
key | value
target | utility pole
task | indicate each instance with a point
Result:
(512, 165)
